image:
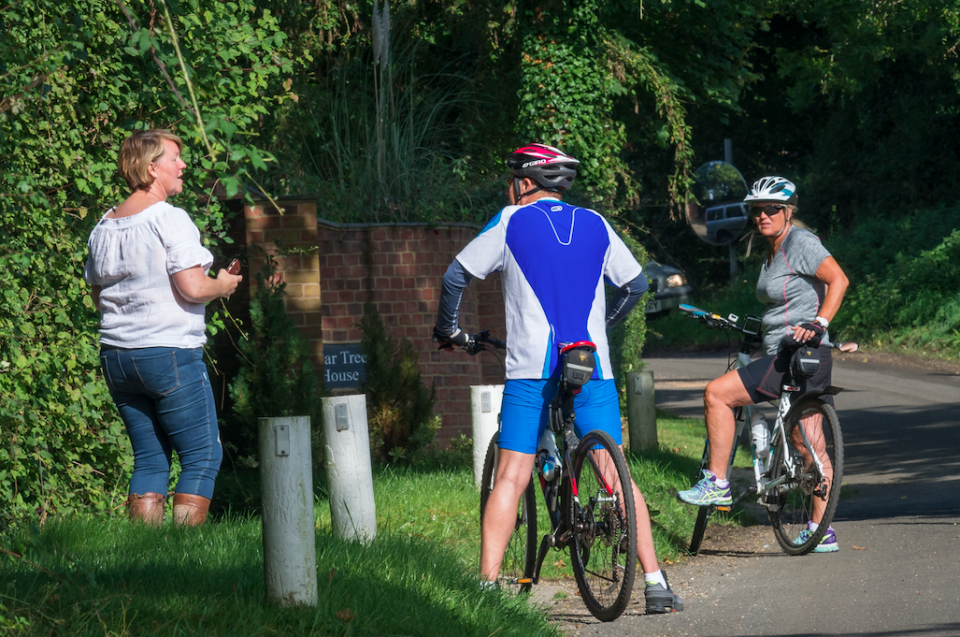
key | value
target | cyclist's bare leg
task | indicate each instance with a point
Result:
(500, 514)
(645, 548)
(813, 427)
(719, 399)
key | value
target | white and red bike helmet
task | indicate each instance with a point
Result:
(550, 167)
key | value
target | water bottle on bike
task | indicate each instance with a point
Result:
(760, 432)
(548, 457)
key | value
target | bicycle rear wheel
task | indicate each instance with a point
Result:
(812, 429)
(603, 519)
(519, 559)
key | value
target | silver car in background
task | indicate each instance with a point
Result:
(669, 286)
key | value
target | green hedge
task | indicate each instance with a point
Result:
(76, 79)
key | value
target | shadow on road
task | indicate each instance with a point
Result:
(930, 629)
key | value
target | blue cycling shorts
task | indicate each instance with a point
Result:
(525, 409)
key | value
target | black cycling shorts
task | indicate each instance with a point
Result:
(763, 378)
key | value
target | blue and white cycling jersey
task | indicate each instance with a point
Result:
(554, 258)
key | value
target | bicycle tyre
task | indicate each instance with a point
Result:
(794, 502)
(703, 513)
(603, 549)
(519, 559)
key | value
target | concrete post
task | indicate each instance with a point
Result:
(286, 486)
(641, 411)
(349, 473)
(485, 411)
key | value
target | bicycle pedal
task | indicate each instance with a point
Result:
(725, 509)
(524, 580)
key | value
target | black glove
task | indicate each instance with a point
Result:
(459, 338)
(818, 331)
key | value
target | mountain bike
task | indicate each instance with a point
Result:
(798, 465)
(587, 494)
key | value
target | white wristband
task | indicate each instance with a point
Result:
(822, 321)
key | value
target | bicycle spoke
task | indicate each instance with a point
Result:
(604, 547)
(815, 451)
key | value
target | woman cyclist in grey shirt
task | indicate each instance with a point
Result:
(803, 286)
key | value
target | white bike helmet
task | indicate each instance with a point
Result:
(776, 189)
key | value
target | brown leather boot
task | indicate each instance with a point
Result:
(190, 510)
(146, 508)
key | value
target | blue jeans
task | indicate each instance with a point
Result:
(164, 397)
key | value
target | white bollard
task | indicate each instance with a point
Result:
(349, 473)
(485, 411)
(289, 529)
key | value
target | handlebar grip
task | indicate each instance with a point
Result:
(496, 343)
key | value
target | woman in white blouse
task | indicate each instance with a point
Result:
(150, 281)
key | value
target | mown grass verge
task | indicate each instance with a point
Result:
(105, 576)
(108, 577)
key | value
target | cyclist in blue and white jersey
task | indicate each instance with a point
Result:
(553, 259)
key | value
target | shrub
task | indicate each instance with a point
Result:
(627, 339)
(916, 302)
(399, 407)
(275, 377)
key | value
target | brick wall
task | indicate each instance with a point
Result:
(295, 228)
(400, 269)
(397, 267)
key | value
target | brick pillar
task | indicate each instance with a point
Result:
(294, 228)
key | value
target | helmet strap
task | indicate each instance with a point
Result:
(530, 192)
(520, 195)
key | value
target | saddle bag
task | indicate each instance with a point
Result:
(805, 362)
(578, 365)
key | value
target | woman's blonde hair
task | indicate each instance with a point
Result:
(140, 150)
(796, 222)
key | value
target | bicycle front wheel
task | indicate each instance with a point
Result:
(703, 513)
(814, 450)
(516, 570)
(603, 521)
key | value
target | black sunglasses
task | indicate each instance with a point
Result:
(770, 210)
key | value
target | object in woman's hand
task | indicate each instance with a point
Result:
(234, 267)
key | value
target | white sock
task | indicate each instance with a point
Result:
(723, 484)
(813, 526)
(655, 578)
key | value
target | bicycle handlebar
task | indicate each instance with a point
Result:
(482, 342)
(715, 321)
(476, 343)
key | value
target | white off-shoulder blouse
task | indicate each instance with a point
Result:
(133, 259)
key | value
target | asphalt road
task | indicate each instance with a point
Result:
(898, 524)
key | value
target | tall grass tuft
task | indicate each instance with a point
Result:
(378, 141)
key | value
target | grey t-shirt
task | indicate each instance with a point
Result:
(787, 284)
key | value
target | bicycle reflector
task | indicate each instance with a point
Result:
(578, 363)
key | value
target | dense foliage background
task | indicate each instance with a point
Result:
(76, 78)
(404, 113)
